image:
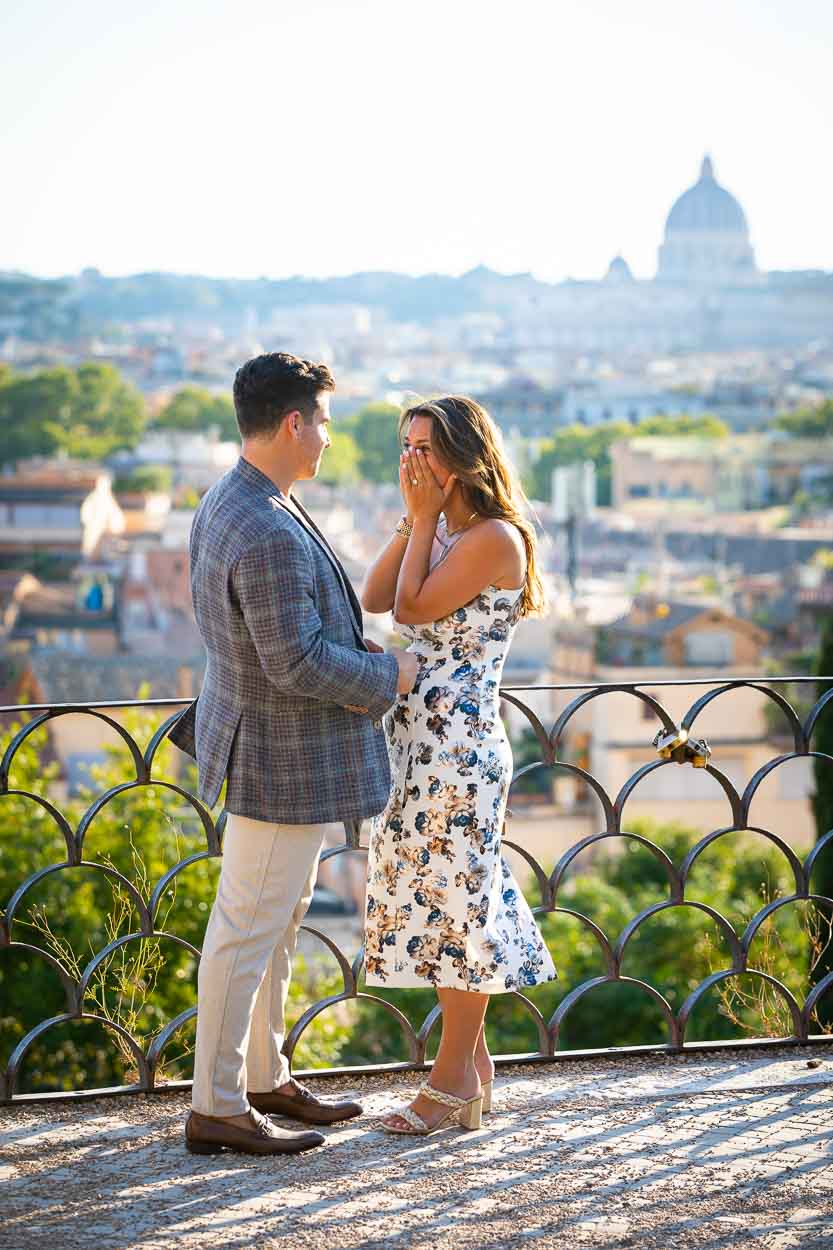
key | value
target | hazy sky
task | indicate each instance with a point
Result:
(249, 137)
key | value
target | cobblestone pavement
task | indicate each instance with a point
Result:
(728, 1150)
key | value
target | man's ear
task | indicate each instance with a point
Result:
(294, 422)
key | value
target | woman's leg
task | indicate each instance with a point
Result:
(454, 1069)
(482, 1059)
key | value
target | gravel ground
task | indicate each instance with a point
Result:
(729, 1150)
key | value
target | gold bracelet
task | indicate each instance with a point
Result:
(404, 527)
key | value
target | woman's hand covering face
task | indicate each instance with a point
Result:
(421, 492)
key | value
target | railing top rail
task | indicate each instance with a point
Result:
(723, 679)
(93, 707)
(717, 680)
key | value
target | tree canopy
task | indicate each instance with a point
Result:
(375, 430)
(813, 422)
(340, 462)
(195, 409)
(87, 412)
(144, 480)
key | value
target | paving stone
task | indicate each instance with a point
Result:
(723, 1150)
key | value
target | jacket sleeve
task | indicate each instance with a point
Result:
(274, 584)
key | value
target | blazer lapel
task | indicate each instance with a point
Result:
(303, 518)
(264, 485)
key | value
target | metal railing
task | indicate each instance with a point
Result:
(675, 744)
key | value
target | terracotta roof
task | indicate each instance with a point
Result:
(64, 677)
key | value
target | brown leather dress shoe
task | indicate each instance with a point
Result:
(207, 1135)
(303, 1105)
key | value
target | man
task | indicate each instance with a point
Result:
(290, 716)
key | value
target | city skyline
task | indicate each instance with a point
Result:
(184, 142)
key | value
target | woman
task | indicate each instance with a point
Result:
(442, 907)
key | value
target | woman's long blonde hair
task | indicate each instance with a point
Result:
(467, 441)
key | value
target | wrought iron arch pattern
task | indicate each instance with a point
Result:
(548, 885)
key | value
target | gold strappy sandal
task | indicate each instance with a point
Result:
(465, 1111)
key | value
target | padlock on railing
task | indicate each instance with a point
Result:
(682, 749)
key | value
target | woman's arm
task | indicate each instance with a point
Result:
(380, 584)
(485, 556)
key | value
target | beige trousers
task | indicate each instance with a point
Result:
(266, 885)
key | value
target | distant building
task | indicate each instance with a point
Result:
(707, 295)
(601, 403)
(78, 742)
(744, 471)
(612, 735)
(57, 506)
(14, 588)
(144, 512)
(707, 237)
(195, 458)
(657, 633)
(523, 404)
(80, 617)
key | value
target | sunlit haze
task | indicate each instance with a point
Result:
(275, 137)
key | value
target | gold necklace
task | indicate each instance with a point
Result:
(449, 533)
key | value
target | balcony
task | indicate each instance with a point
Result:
(107, 894)
(672, 1087)
(717, 1150)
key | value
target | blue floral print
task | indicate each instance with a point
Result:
(442, 906)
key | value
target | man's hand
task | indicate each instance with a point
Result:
(372, 646)
(408, 669)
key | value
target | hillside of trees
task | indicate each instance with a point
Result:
(91, 300)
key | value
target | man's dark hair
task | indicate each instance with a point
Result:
(268, 387)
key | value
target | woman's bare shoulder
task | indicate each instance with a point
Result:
(497, 535)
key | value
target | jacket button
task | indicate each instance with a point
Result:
(377, 724)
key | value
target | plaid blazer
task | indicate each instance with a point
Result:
(291, 703)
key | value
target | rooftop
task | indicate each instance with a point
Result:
(108, 678)
(706, 207)
(697, 1150)
(46, 474)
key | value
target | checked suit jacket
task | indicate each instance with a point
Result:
(291, 704)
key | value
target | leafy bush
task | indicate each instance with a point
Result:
(145, 480)
(143, 831)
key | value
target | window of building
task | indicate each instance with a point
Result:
(45, 516)
(709, 646)
(639, 490)
(648, 713)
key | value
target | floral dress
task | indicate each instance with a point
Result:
(443, 909)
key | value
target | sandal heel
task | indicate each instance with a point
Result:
(487, 1096)
(470, 1114)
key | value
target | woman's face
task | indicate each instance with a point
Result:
(420, 435)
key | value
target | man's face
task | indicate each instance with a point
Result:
(314, 438)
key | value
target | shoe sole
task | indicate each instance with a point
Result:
(212, 1148)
